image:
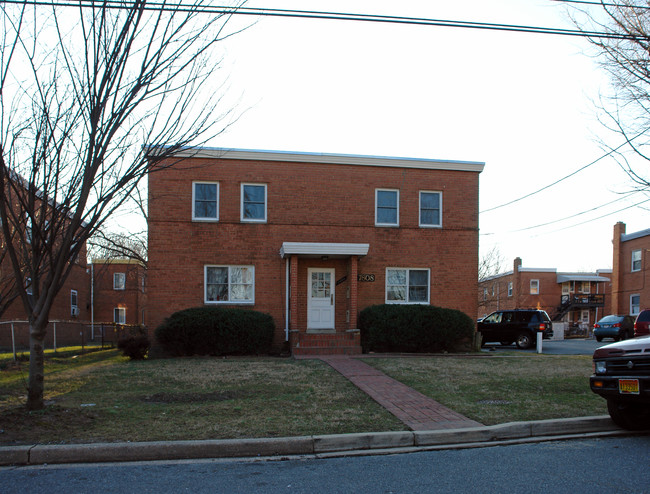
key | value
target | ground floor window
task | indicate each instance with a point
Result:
(407, 286)
(119, 315)
(229, 284)
(635, 304)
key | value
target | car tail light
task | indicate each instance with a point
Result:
(635, 326)
(542, 327)
(617, 325)
(596, 326)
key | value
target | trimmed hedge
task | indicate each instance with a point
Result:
(414, 328)
(216, 331)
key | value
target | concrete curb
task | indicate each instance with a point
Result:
(342, 444)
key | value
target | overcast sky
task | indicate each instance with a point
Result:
(522, 103)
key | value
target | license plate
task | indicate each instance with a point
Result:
(628, 386)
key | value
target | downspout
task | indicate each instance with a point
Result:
(286, 298)
(92, 301)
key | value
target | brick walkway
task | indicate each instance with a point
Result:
(417, 411)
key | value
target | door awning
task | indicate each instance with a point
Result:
(319, 249)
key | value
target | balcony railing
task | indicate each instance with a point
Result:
(583, 300)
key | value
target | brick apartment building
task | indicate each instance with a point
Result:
(577, 298)
(630, 275)
(311, 239)
(118, 288)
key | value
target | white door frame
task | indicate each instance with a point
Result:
(320, 311)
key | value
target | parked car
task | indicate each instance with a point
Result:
(622, 377)
(518, 326)
(613, 326)
(642, 323)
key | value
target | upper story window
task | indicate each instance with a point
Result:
(636, 260)
(430, 209)
(205, 201)
(534, 287)
(386, 207)
(485, 294)
(74, 307)
(510, 289)
(229, 284)
(119, 281)
(253, 202)
(407, 286)
(585, 287)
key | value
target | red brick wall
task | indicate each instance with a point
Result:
(309, 203)
(625, 282)
(106, 298)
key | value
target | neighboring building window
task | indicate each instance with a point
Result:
(74, 307)
(493, 289)
(205, 201)
(407, 286)
(253, 202)
(635, 304)
(28, 286)
(230, 284)
(119, 281)
(510, 289)
(119, 315)
(636, 260)
(485, 294)
(586, 287)
(534, 287)
(584, 316)
(386, 207)
(430, 209)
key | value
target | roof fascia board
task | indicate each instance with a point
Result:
(325, 158)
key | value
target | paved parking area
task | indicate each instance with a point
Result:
(573, 346)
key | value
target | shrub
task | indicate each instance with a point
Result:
(216, 331)
(135, 347)
(414, 328)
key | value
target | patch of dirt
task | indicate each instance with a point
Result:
(193, 397)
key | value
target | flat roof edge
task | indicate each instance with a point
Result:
(330, 158)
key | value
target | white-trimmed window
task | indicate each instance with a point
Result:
(534, 287)
(430, 209)
(635, 304)
(510, 289)
(119, 281)
(407, 286)
(253, 202)
(229, 284)
(119, 315)
(386, 207)
(485, 294)
(205, 201)
(74, 307)
(636, 260)
(585, 287)
(584, 316)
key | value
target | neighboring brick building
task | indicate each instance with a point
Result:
(311, 239)
(630, 276)
(119, 291)
(569, 297)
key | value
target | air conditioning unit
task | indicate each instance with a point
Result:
(74, 311)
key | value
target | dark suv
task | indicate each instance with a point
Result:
(642, 323)
(622, 377)
(519, 326)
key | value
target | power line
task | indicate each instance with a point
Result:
(323, 15)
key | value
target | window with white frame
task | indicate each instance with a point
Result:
(74, 307)
(430, 209)
(119, 315)
(28, 286)
(636, 260)
(253, 202)
(510, 289)
(635, 304)
(585, 287)
(386, 207)
(485, 294)
(119, 281)
(205, 201)
(534, 287)
(584, 316)
(407, 286)
(229, 284)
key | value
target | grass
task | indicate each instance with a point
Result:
(101, 396)
(496, 390)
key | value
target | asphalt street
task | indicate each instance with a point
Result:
(574, 346)
(611, 465)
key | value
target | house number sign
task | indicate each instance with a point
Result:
(366, 277)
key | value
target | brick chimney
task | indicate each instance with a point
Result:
(617, 270)
(516, 278)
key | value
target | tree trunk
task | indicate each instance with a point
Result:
(36, 369)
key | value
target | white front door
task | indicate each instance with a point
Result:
(320, 305)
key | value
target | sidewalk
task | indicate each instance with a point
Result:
(417, 411)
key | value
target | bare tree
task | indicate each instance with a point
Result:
(491, 264)
(624, 52)
(88, 90)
